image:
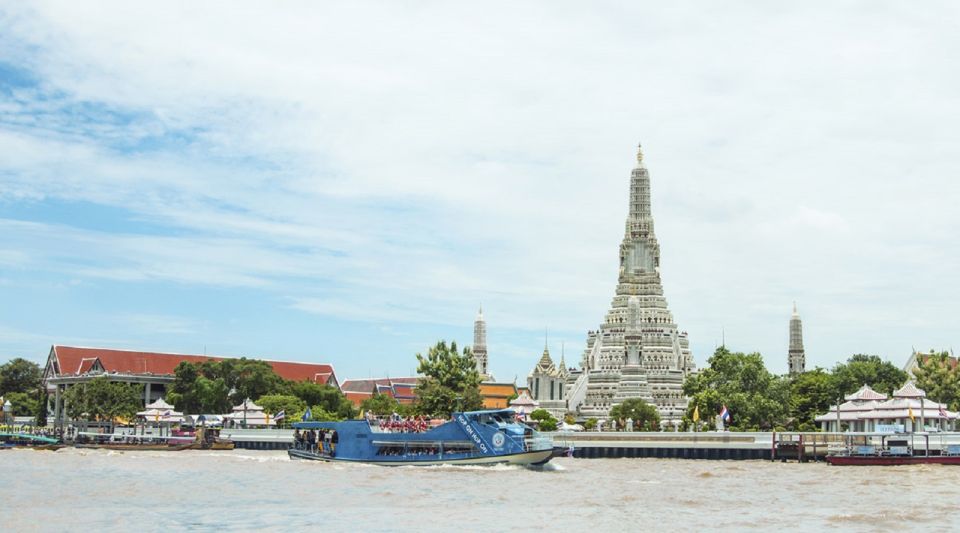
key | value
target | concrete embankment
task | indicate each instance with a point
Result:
(259, 439)
(724, 445)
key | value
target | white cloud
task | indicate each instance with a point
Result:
(419, 161)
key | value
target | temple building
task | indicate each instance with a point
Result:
(68, 366)
(547, 384)
(870, 411)
(795, 356)
(480, 346)
(638, 352)
(403, 389)
(916, 358)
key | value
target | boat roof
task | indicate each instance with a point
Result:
(333, 425)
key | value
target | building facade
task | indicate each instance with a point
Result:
(796, 358)
(870, 411)
(68, 366)
(547, 384)
(638, 352)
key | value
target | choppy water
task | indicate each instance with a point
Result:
(248, 490)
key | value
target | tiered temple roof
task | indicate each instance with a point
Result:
(645, 329)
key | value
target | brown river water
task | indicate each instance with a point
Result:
(72, 490)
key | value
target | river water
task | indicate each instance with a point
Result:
(259, 490)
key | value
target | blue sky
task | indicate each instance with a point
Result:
(347, 183)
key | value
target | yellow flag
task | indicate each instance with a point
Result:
(696, 413)
(910, 414)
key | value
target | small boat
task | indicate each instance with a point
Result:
(469, 438)
(28, 441)
(893, 449)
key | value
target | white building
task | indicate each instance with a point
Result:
(869, 411)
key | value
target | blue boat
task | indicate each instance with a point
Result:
(469, 438)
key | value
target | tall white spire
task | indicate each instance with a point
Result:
(623, 360)
(796, 358)
(480, 344)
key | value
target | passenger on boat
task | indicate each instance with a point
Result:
(298, 437)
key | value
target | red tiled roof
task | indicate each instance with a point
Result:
(75, 361)
(357, 397)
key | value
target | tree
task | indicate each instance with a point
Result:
(757, 399)
(882, 376)
(939, 376)
(645, 416)
(590, 424)
(450, 383)
(102, 399)
(250, 378)
(19, 375)
(811, 394)
(326, 397)
(24, 403)
(292, 407)
(380, 404)
(546, 421)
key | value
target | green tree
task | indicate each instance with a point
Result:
(292, 406)
(545, 421)
(102, 399)
(860, 369)
(24, 403)
(811, 394)
(19, 375)
(450, 383)
(939, 376)
(757, 399)
(250, 378)
(327, 397)
(590, 424)
(380, 405)
(645, 416)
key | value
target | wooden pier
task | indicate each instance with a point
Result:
(785, 446)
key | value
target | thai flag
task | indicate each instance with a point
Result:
(943, 412)
(725, 414)
(280, 416)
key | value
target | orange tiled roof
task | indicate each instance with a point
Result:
(75, 361)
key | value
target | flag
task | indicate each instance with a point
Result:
(910, 414)
(279, 416)
(943, 412)
(725, 414)
(307, 415)
(696, 413)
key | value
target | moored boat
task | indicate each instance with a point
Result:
(894, 449)
(469, 438)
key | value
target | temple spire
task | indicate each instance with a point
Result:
(796, 358)
(480, 344)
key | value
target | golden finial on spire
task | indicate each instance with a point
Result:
(639, 154)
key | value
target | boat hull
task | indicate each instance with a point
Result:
(534, 458)
(851, 460)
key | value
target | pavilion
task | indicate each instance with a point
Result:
(870, 411)
(249, 414)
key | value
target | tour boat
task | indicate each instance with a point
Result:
(469, 438)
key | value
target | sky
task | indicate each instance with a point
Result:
(348, 182)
